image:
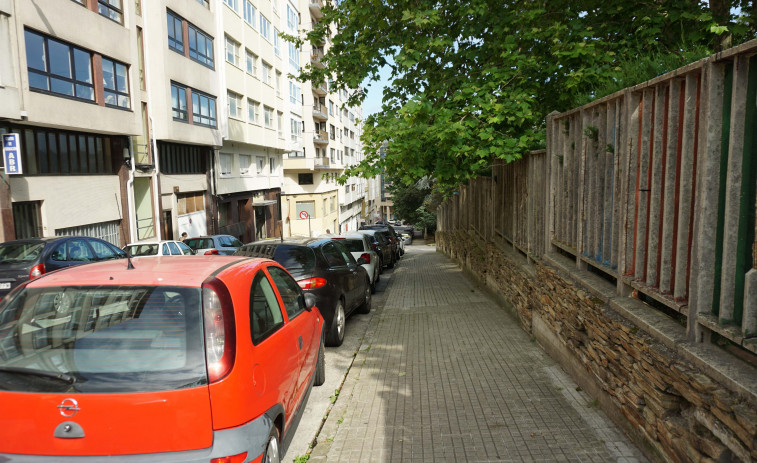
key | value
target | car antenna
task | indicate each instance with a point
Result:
(129, 265)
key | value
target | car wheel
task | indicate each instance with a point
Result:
(375, 280)
(271, 454)
(336, 332)
(320, 366)
(366, 306)
(381, 265)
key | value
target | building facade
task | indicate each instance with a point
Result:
(142, 120)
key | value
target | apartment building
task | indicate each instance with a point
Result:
(143, 120)
(259, 111)
(314, 202)
(67, 89)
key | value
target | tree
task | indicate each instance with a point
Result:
(407, 199)
(472, 80)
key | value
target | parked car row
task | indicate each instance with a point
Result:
(220, 350)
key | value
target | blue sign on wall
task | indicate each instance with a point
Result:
(12, 154)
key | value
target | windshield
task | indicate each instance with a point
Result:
(136, 250)
(296, 259)
(20, 252)
(104, 338)
(353, 245)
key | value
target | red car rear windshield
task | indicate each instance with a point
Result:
(102, 339)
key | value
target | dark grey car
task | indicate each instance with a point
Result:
(21, 260)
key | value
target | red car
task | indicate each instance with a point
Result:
(174, 359)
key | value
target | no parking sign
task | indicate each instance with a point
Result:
(304, 215)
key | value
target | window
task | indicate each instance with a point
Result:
(268, 115)
(175, 32)
(265, 313)
(249, 13)
(235, 105)
(294, 93)
(294, 57)
(232, 51)
(59, 68)
(233, 4)
(184, 159)
(280, 123)
(304, 179)
(278, 84)
(115, 83)
(252, 62)
(204, 3)
(200, 46)
(276, 42)
(111, 9)
(265, 28)
(331, 108)
(293, 21)
(225, 165)
(272, 165)
(291, 294)
(244, 164)
(179, 102)
(260, 164)
(296, 129)
(203, 109)
(333, 256)
(323, 210)
(253, 111)
(333, 131)
(267, 73)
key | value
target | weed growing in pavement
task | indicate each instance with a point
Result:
(559, 388)
(301, 458)
(532, 339)
(335, 396)
(579, 388)
(329, 439)
(593, 404)
(340, 420)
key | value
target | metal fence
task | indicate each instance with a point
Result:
(654, 187)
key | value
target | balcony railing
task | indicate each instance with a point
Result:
(321, 137)
(316, 55)
(322, 163)
(321, 89)
(315, 8)
(319, 112)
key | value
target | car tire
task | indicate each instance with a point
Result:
(375, 280)
(272, 452)
(320, 366)
(381, 265)
(335, 336)
(365, 307)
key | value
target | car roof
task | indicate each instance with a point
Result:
(301, 241)
(163, 271)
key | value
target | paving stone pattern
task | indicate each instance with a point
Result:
(444, 374)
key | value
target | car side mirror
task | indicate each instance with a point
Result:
(309, 301)
(361, 261)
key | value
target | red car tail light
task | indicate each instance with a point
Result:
(37, 270)
(211, 252)
(312, 283)
(367, 257)
(220, 333)
(239, 458)
(375, 246)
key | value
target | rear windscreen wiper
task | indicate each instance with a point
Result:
(66, 378)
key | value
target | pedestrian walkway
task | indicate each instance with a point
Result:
(444, 374)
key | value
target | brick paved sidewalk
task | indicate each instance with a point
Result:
(444, 374)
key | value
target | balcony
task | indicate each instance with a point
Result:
(319, 113)
(322, 163)
(316, 55)
(321, 89)
(321, 138)
(315, 8)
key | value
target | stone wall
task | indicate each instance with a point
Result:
(645, 375)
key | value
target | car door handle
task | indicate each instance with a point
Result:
(299, 341)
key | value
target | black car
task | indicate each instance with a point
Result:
(325, 269)
(383, 247)
(22, 260)
(393, 236)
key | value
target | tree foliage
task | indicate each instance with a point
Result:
(472, 80)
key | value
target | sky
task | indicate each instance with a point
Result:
(372, 103)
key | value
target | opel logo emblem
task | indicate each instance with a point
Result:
(69, 407)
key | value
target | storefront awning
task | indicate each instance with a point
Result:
(265, 202)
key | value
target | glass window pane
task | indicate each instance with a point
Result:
(61, 86)
(123, 101)
(110, 98)
(121, 78)
(38, 81)
(83, 65)
(109, 79)
(83, 91)
(182, 99)
(60, 59)
(35, 51)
